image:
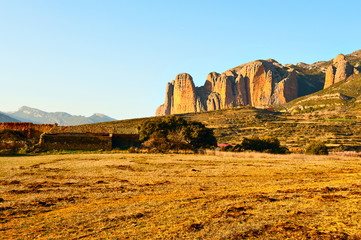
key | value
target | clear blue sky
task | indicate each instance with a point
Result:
(116, 57)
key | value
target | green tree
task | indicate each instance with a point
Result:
(317, 148)
(270, 145)
(177, 132)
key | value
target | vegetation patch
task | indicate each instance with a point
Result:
(317, 148)
(341, 120)
(267, 145)
(162, 134)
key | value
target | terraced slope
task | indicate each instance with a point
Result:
(342, 97)
(232, 125)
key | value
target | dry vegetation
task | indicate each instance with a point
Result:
(145, 196)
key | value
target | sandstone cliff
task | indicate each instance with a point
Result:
(256, 83)
(338, 71)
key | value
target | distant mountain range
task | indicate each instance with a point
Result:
(28, 114)
(6, 118)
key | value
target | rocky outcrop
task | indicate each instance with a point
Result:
(257, 83)
(286, 90)
(180, 97)
(184, 95)
(338, 71)
(165, 109)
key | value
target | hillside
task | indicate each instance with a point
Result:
(232, 125)
(6, 118)
(342, 98)
(118, 127)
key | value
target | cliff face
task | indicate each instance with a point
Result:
(256, 83)
(180, 96)
(338, 71)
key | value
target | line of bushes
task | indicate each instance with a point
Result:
(266, 145)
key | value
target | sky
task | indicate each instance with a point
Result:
(116, 56)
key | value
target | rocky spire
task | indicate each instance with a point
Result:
(338, 71)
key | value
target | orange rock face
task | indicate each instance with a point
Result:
(165, 109)
(338, 71)
(260, 83)
(256, 83)
(184, 96)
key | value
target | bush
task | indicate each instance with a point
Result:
(12, 135)
(317, 148)
(268, 145)
(132, 150)
(175, 133)
(157, 145)
(226, 148)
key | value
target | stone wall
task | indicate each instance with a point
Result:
(125, 140)
(87, 141)
(76, 141)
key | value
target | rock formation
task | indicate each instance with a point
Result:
(338, 71)
(256, 83)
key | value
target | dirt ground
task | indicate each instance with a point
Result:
(175, 196)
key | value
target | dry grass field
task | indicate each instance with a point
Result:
(175, 196)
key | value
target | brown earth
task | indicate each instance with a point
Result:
(147, 196)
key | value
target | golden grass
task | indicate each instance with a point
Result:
(171, 196)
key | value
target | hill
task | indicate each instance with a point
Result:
(6, 118)
(232, 125)
(28, 114)
(341, 98)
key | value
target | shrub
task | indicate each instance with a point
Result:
(269, 145)
(175, 133)
(159, 144)
(228, 148)
(317, 148)
(132, 150)
(12, 135)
